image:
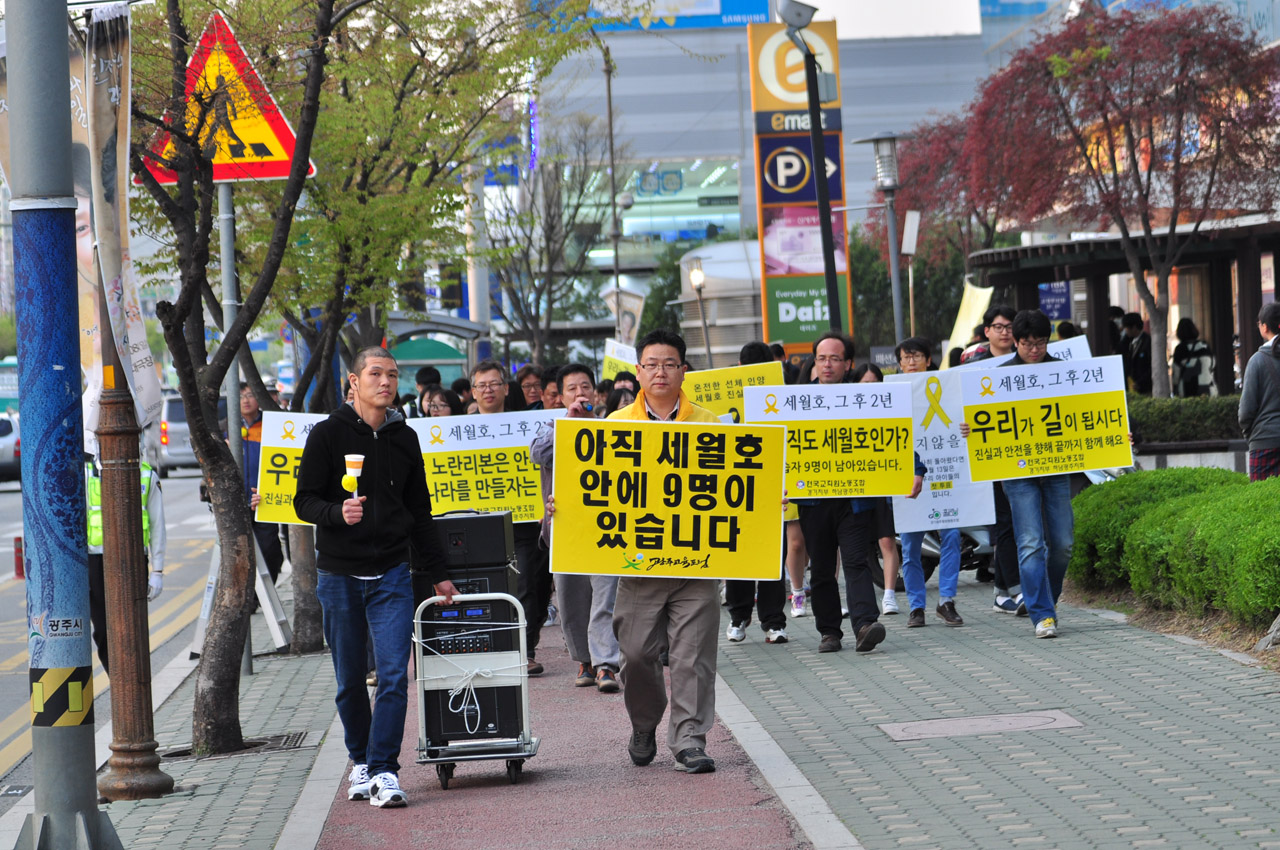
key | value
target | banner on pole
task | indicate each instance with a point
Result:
(843, 440)
(481, 463)
(668, 500)
(1046, 419)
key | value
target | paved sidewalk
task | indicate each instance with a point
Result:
(1129, 739)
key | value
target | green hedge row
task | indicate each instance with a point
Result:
(1180, 420)
(1189, 539)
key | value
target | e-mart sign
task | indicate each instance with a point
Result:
(777, 66)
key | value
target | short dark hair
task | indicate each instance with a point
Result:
(575, 369)
(427, 376)
(489, 365)
(835, 334)
(1269, 315)
(626, 376)
(370, 352)
(754, 352)
(1115, 311)
(525, 371)
(460, 386)
(550, 375)
(913, 343)
(1066, 330)
(1131, 320)
(1001, 310)
(860, 371)
(1030, 324)
(778, 351)
(660, 336)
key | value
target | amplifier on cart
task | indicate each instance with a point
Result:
(479, 549)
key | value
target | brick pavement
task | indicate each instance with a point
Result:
(1177, 746)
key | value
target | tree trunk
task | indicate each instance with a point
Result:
(1159, 318)
(215, 722)
(308, 622)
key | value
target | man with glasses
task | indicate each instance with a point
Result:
(840, 528)
(489, 386)
(997, 324)
(914, 357)
(551, 399)
(1043, 524)
(683, 614)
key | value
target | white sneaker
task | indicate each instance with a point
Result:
(775, 636)
(385, 792)
(736, 633)
(360, 782)
(890, 603)
(1047, 628)
(797, 604)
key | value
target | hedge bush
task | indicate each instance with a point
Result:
(1157, 549)
(1105, 513)
(1181, 420)
(1234, 554)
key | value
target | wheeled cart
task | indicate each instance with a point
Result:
(473, 695)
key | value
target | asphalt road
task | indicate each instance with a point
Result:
(172, 617)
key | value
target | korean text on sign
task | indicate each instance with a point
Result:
(481, 463)
(843, 440)
(720, 390)
(1046, 419)
(617, 358)
(948, 499)
(283, 437)
(668, 500)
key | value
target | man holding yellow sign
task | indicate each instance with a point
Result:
(1030, 422)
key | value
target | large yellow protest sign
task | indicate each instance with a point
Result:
(1046, 419)
(720, 390)
(283, 437)
(481, 463)
(669, 500)
(843, 440)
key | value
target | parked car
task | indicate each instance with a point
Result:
(10, 448)
(175, 435)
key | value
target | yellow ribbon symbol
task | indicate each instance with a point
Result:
(436, 439)
(288, 430)
(986, 387)
(771, 403)
(933, 392)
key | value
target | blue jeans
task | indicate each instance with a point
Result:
(1044, 528)
(356, 610)
(913, 570)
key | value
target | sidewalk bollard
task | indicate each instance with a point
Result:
(19, 568)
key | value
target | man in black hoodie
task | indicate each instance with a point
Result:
(365, 544)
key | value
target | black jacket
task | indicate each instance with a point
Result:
(397, 526)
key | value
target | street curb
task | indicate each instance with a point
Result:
(806, 805)
(163, 686)
(306, 821)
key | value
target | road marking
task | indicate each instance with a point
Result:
(17, 749)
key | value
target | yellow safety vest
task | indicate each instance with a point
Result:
(93, 494)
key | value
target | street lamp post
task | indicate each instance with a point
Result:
(698, 279)
(798, 15)
(886, 150)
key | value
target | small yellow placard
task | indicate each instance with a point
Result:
(669, 500)
(283, 437)
(720, 390)
(486, 480)
(617, 358)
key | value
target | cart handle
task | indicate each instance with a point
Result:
(464, 598)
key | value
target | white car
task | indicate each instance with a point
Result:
(10, 448)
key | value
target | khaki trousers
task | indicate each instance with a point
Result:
(683, 616)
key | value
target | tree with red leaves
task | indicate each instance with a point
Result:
(1142, 120)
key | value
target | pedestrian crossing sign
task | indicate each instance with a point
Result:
(237, 121)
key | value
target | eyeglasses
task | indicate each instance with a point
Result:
(485, 386)
(668, 366)
(912, 357)
(1001, 327)
(1034, 344)
(437, 406)
(531, 385)
(826, 359)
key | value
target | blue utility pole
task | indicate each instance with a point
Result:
(44, 252)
